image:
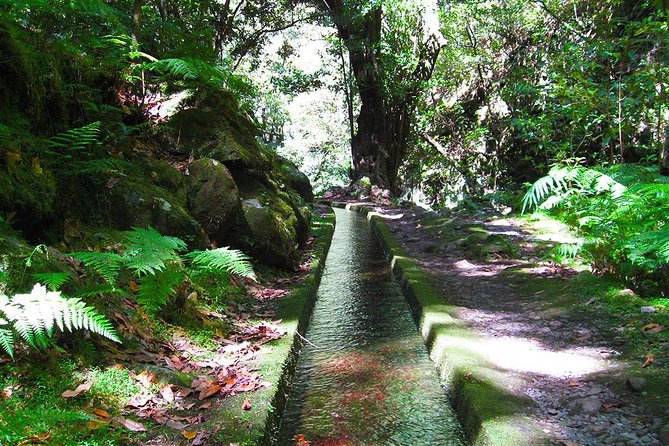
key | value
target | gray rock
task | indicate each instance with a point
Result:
(636, 383)
(588, 405)
(648, 309)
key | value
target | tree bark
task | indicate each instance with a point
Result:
(378, 146)
(136, 20)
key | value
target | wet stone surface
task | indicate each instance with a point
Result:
(364, 377)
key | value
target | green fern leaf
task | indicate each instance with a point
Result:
(148, 251)
(53, 280)
(155, 291)
(34, 316)
(106, 264)
(224, 259)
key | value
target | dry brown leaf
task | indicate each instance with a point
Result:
(201, 439)
(206, 393)
(246, 405)
(101, 413)
(174, 424)
(138, 401)
(649, 360)
(130, 424)
(652, 328)
(146, 378)
(167, 393)
(204, 406)
(73, 393)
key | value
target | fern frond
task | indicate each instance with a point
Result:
(106, 264)
(567, 250)
(653, 244)
(148, 251)
(232, 261)
(78, 139)
(53, 280)
(34, 316)
(156, 290)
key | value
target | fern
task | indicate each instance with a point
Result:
(567, 250)
(106, 264)
(34, 316)
(148, 251)
(156, 290)
(53, 280)
(79, 140)
(225, 259)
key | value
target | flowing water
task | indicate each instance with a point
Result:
(365, 378)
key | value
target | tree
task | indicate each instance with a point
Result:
(392, 54)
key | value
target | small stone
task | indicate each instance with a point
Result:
(626, 292)
(663, 435)
(555, 324)
(648, 309)
(636, 383)
(589, 405)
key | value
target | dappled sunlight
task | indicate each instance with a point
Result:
(526, 355)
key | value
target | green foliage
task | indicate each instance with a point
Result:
(34, 316)
(154, 260)
(623, 214)
(225, 259)
(53, 280)
(148, 252)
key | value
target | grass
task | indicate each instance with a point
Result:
(37, 409)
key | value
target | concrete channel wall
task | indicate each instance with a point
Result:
(482, 396)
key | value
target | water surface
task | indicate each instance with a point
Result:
(366, 378)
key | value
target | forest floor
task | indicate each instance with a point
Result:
(593, 356)
(203, 375)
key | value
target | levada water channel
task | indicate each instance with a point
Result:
(364, 377)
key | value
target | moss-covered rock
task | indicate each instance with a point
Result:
(294, 179)
(29, 195)
(213, 197)
(216, 128)
(136, 202)
(167, 177)
(268, 227)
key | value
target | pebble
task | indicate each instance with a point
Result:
(648, 309)
(636, 383)
(589, 404)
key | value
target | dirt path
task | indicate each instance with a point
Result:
(541, 322)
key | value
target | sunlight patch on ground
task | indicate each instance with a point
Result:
(529, 356)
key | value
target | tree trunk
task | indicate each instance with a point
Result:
(136, 20)
(379, 145)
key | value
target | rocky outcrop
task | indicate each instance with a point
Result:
(213, 197)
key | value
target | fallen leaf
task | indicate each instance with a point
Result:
(206, 393)
(130, 424)
(189, 435)
(101, 413)
(649, 360)
(146, 378)
(167, 393)
(174, 424)
(139, 400)
(204, 406)
(652, 328)
(573, 383)
(73, 393)
(246, 405)
(93, 424)
(201, 439)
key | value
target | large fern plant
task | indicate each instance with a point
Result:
(622, 212)
(34, 317)
(157, 267)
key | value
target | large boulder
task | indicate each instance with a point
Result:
(294, 179)
(136, 202)
(213, 197)
(216, 128)
(268, 227)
